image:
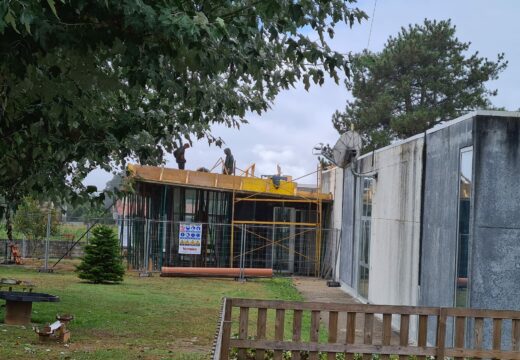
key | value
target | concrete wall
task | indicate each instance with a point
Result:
(396, 210)
(332, 182)
(346, 258)
(394, 247)
(495, 265)
(440, 213)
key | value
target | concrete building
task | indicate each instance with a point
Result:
(435, 219)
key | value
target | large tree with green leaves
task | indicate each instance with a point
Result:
(423, 77)
(93, 83)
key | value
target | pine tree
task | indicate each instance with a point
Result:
(102, 262)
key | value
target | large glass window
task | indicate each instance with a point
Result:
(465, 184)
(364, 233)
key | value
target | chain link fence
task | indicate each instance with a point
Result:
(66, 236)
(294, 249)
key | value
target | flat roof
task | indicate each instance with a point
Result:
(469, 115)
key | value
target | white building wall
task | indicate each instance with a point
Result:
(395, 232)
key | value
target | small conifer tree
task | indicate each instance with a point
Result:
(102, 262)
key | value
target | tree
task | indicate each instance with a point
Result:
(102, 262)
(423, 77)
(94, 83)
(31, 219)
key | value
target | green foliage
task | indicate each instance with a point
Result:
(423, 77)
(31, 219)
(102, 262)
(93, 83)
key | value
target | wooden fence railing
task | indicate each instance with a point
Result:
(262, 325)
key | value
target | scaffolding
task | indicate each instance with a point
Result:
(293, 232)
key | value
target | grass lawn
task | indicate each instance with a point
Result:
(142, 318)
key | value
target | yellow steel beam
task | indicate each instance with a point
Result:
(253, 222)
(277, 200)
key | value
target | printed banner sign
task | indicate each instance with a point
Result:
(190, 236)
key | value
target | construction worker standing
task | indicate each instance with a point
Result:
(179, 155)
(229, 163)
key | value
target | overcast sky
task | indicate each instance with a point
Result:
(298, 119)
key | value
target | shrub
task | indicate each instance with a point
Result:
(102, 262)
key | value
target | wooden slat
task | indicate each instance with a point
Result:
(460, 331)
(404, 332)
(495, 314)
(315, 332)
(278, 331)
(422, 335)
(386, 337)
(487, 354)
(351, 332)
(318, 306)
(441, 334)
(333, 332)
(367, 333)
(337, 348)
(261, 326)
(243, 321)
(479, 333)
(497, 334)
(297, 331)
(515, 336)
(226, 330)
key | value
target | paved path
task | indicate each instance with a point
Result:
(317, 290)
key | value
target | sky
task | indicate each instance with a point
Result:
(299, 119)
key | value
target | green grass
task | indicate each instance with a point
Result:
(142, 318)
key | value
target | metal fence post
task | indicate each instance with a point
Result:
(47, 239)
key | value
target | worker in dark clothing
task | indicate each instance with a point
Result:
(179, 155)
(229, 163)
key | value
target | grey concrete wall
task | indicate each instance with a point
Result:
(495, 266)
(396, 213)
(346, 258)
(394, 247)
(440, 220)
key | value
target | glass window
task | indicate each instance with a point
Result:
(364, 243)
(465, 186)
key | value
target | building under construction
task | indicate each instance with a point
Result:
(241, 221)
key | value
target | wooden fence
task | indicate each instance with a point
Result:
(421, 331)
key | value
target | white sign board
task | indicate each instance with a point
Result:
(190, 236)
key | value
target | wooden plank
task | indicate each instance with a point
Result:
(478, 333)
(333, 332)
(318, 306)
(487, 354)
(422, 335)
(497, 334)
(261, 326)
(460, 331)
(404, 333)
(351, 333)
(226, 330)
(368, 327)
(441, 334)
(297, 331)
(386, 337)
(472, 313)
(515, 336)
(278, 331)
(337, 348)
(243, 322)
(315, 332)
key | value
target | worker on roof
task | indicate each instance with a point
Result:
(179, 155)
(229, 163)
